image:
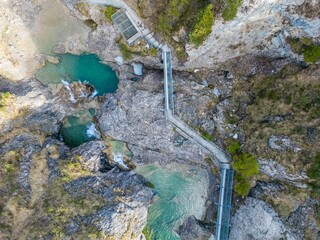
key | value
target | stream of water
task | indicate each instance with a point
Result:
(181, 191)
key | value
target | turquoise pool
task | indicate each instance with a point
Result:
(84, 68)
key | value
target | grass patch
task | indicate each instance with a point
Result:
(246, 167)
(109, 12)
(314, 170)
(125, 51)
(229, 12)
(147, 233)
(73, 170)
(153, 52)
(298, 96)
(202, 26)
(206, 135)
(5, 98)
(310, 51)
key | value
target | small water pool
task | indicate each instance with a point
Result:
(181, 192)
(79, 128)
(84, 68)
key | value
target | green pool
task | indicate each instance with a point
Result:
(79, 128)
(84, 68)
(181, 192)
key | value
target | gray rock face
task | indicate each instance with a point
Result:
(193, 229)
(34, 163)
(135, 115)
(126, 212)
(33, 102)
(257, 220)
(91, 155)
(282, 143)
(277, 171)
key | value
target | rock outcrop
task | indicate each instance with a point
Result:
(193, 229)
(256, 220)
(260, 28)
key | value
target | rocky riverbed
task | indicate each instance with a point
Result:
(233, 88)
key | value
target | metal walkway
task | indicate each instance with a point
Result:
(224, 205)
(221, 158)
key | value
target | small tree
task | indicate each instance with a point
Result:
(202, 27)
(246, 166)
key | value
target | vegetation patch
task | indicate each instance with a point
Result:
(286, 103)
(147, 233)
(150, 184)
(83, 8)
(246, 167)
(139, 48)
(5, 99)
(73, 170)
(229, 12)
(189, 16)
(314, 170)
(310, 51)
(206, 135)
(109, 12)
(125, 51)
(57, 207)
(202, 26)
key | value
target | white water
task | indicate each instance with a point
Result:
(67, 86)
(118, 158)
(91, 131)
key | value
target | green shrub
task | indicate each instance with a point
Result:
(242, 186)
(109, 12)
(229, 12)
(246, 167)
(125, 51)
(234, 147)
(174, 15)
(202, 26)
(311, 53)
(171, 17)
(314, 171)
(9, 167)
